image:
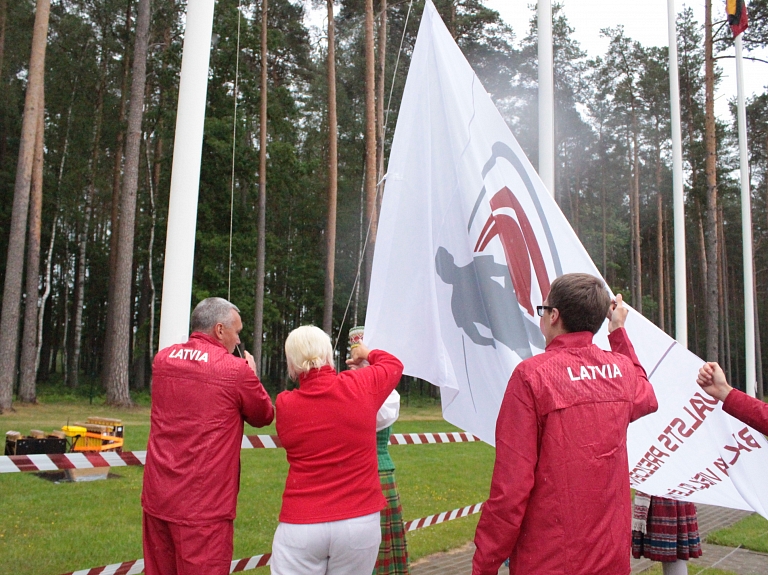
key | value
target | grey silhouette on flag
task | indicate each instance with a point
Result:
(478, 298)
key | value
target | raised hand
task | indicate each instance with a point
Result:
(358, 355)
(617, 313)
(712, 380)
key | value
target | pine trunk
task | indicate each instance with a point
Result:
(660, 258)
(660, 237)
(27, 368)
(370, 142)
(602, 204)
(261, 249)
(116, 364)
(638, 303)
(667, 279)
(713, 319)
(77, 328)
(14, 270)
(759, 387)
(154, 185)
(380, 85)
(330, 229)
(117, 171)
(3, 20)
(46, 294)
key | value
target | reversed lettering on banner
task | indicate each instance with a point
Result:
(674, 435)
(705, 479)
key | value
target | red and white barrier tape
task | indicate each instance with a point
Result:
(136, 567)
(250, 563)
(52, 462)
(425, 438)
(443, 517)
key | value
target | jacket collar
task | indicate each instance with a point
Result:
(308, 378)
(575, 339)
(208, 338)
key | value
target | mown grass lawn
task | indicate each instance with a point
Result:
(49, 528)
(751, 533)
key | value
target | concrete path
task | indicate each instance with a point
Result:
(711, 518)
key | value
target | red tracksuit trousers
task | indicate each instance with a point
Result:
(174, 549)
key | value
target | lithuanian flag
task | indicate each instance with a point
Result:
(737, 16)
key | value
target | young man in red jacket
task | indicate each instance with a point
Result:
(560, 500)
(201, 394)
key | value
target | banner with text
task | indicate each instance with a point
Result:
(469, 241)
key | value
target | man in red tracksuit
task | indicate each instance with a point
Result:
(201, 394)
(560, 500)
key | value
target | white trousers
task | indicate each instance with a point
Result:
(346, 547)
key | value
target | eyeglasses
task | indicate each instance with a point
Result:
(540, 309)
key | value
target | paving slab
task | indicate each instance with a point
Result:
(741, 561)
(711, 518)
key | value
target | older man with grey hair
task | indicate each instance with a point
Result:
(201, 395)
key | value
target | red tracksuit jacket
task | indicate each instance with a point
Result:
(328, 429)
(745, 408)
(560, 500)
(200, 396)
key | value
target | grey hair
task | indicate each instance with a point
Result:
(210, 311)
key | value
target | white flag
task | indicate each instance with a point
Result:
(469, 241)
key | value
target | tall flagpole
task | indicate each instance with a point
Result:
(681, 301)
(185, 175)
(746, 226)
(546, 97)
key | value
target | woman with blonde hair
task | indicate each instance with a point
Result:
(329, 520)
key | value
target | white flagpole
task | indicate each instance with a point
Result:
(681, 301)
(546, 97)
(746, 226)
(185, 174)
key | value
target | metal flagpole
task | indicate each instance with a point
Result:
(185, 174)
(746, 226)
(681, 302)
(546, 97)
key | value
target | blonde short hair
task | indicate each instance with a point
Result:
(307, 347)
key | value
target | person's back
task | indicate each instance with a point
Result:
(330, 515)
(559, 501)
(200, 396)
(582, 457)
(326, 428)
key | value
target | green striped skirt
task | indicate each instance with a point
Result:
(393, 552)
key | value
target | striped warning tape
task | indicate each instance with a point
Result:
(135, 567)
(443, 517)
(425, 438)
(40, 462)
(52, 462)
(250, 563)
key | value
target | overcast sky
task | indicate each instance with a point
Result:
(644, 21)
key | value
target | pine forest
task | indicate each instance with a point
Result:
(298, 126)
